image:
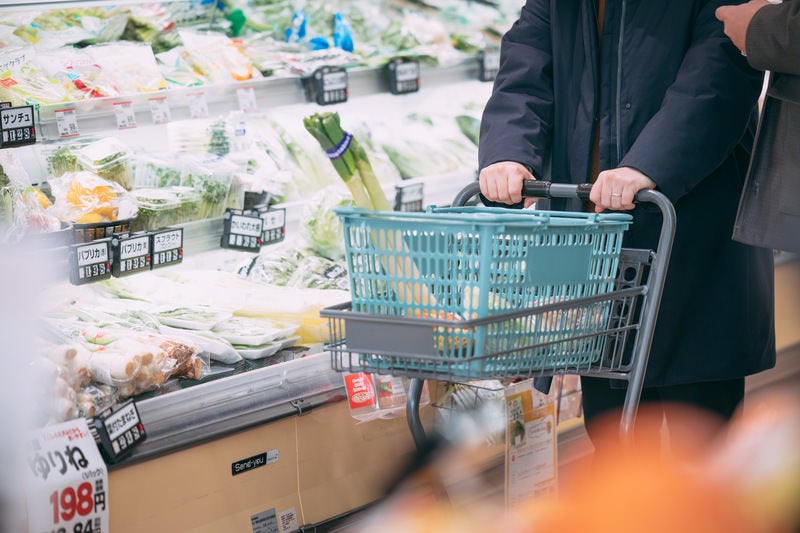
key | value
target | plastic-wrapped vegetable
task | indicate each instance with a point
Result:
(292, 267)
(131, 67)
(24, 81)
(212, 177)
(323, 230)
(215, 56)
(23, 209)
(110, 159)
(86, 198)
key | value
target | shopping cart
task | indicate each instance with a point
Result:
(465, 293)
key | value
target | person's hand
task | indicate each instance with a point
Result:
(614, 189)
(737, 18)
(502, 182)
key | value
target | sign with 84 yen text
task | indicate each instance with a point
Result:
(67, 487)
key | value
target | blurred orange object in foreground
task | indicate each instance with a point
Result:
(640, 487)
(745, 480)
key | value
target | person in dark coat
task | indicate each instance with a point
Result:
(652, 95)
(769, 35)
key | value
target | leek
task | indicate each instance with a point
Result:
(353, 166)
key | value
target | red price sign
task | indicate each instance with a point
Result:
(71, 502)
(68, 483)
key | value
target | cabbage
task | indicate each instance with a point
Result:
(323, 230)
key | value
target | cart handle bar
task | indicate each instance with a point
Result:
(548, 189)
(655, 283)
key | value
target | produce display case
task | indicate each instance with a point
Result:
(185, 416)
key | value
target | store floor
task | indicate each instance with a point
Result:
(575, 448)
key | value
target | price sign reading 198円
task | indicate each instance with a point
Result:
(67, 483)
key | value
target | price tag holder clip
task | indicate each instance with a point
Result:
(118, 430)
(274, 230)
(403, 75)
(489, 64)
(131, 254)
(90, 262)
(409, 197)
(17, 126)
(328, 85)
(166, 247)
(241, 230)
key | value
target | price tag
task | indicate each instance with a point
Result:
(274, 225)
(6, 105)
(119, 429)
(241, 231)
(167, 247)
(198, 107)
(67, 488)
(490, 64)
(403, 76)
(408, 197)
(131, 254)
(247, 99)
(159, 109)
(126, 117)
(329, 85)
(89, 262)
(67, 122)
(16, 126)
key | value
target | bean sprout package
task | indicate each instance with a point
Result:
(86, 198)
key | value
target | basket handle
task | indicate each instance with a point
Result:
(548, 189)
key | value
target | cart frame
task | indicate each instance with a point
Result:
(626, 338)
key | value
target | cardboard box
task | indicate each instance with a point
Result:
(344, 465)
(196, 490)
(787, 305)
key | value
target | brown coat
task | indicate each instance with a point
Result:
(769, 211)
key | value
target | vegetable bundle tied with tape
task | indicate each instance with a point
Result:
(353, 166)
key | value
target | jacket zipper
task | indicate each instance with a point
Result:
(618, 111)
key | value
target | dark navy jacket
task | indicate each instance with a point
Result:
(676, 101)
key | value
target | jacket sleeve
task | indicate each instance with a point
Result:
(517, 119)
(703, 115)
(773, 38)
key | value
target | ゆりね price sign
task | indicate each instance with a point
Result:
(89, 262)
(67, 486)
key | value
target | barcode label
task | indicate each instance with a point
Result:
(67, 122)
(159, 107)
(126, 117)
(198, 107)
(247, 99)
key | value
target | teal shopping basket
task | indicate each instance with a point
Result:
(454, 267)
